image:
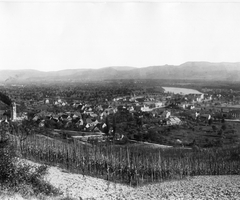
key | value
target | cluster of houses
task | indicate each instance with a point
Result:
(88, 117)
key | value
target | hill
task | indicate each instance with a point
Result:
(190, 70)
(76, 186)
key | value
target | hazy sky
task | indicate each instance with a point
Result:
(63, 35)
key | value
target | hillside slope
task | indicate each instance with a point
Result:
(77, 186)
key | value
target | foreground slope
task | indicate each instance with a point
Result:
(200, 187)
(77, 186)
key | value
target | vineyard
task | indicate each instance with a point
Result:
(130, 165)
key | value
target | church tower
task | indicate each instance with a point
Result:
(13, 111)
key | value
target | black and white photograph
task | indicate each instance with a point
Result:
(119, 100)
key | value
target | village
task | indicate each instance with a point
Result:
(137, 114)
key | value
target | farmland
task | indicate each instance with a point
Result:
(128, 164)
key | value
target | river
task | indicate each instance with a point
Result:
(183, 91)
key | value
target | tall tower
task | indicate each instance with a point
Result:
(13, 111)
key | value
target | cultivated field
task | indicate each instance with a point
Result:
(130, 164)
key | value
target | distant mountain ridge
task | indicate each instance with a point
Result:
(190, 70)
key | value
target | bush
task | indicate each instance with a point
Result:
(22, 177)
(7, 158)
(26, 174)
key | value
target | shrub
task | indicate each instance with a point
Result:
(26, 174)
(7, 158)
(22, 177)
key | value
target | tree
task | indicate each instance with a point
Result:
(106, 128)
(4, 129)
(210, 121)
(114, 125)
(224, 127)
(220, 132)
(5, 99)
(214, 128)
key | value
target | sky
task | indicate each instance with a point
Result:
(58, 35)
